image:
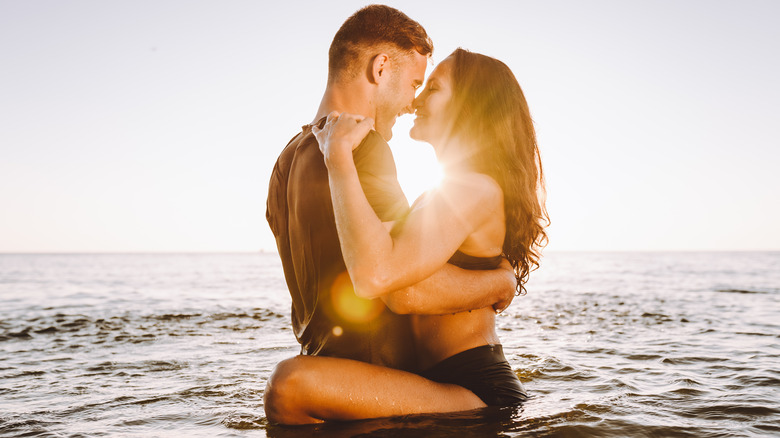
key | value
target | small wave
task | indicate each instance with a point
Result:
(733, 411)
(245, 422)
(759, 381)
(34, 373)
(204, 391)
(121, 368)
(163, 365)
(687, 381)
(757, 334)
(175, 316)
(22, 334)
(50, 329)
(767, 427)
(643, 357)
(688, 392)
(740, 291)
(692, 360)
(150, 400)
(76, 324)
(23, 426)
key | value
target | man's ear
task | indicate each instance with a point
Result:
(379, 68)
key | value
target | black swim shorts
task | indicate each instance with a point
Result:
(484, 371)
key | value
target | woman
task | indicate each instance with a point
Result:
(473, 112)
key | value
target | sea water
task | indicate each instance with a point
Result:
(607, 344)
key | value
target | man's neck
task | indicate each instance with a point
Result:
(351, 97)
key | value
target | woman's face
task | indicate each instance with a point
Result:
(432, 106)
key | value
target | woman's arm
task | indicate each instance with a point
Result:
(378, 262)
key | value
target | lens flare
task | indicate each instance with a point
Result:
(351, 307)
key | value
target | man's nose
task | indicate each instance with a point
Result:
(417, 102)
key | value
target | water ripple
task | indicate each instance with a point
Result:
(183, 345)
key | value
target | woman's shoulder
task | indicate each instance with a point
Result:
(473, 184)
(473, 194)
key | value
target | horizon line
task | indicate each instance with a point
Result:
(265, 251)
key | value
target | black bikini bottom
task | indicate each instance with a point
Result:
(484, 371)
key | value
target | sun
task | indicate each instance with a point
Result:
(418, 169)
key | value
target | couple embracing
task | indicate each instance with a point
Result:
(394, 306)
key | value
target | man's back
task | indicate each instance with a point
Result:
(328, 319)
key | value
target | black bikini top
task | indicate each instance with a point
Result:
(466, 261)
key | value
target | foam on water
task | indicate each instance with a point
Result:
(607, 344)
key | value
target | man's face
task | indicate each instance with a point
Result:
(396, 94)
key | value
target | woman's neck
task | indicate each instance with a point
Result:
(454, 156)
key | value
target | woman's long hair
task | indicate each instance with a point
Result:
(491, 114)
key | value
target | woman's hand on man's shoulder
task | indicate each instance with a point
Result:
(341, 134)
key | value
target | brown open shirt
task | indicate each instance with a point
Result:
(300, 213)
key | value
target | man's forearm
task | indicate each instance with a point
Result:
(453, 290)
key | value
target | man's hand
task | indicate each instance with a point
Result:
(453, 290)
(509, 295)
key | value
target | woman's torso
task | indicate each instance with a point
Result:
(438, 337)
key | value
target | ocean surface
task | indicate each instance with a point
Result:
(607, 344)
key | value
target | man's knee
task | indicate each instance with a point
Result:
(285, 392)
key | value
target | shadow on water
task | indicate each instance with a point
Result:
(480, 423)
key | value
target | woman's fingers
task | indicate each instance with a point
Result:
(342, 131)
(354, 127)
(323, 134)
(361, 129)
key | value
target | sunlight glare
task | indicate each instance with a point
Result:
(418, 169)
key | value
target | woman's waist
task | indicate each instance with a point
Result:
(441, 336)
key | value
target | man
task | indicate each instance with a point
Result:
(376, 62)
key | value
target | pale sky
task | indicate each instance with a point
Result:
(154, 125)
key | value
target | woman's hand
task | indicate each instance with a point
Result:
(341, 134)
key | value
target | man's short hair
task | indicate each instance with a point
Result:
(374, 26)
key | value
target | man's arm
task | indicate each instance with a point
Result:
(452, 290)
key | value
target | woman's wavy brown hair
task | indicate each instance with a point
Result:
(491, 113)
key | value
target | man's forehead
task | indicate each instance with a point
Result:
(417, 67)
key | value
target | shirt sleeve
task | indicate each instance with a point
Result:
(379, 178)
